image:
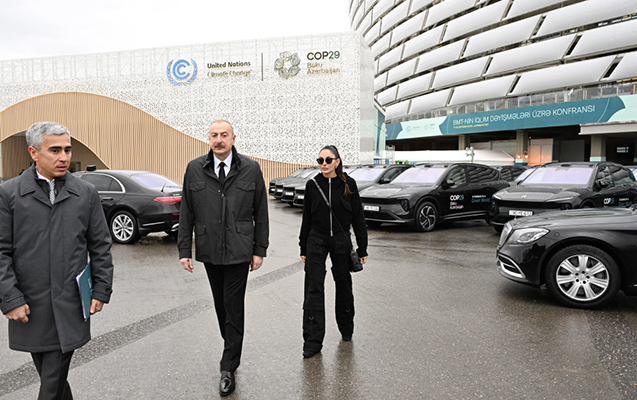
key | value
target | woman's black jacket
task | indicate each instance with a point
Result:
(347, 209)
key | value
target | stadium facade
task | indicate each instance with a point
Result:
(544, 80)
(151, 109)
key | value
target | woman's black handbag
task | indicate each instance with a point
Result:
(354, 261)
(355, 264)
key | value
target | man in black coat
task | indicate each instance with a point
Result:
(50, 224)
(225, 201)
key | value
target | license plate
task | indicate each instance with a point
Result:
(520, 213)
(289, 193)
(371, 208)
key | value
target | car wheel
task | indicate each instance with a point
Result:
(582, 276)
(426, 217)
(124, 228)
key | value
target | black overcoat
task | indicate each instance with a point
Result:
(43, 247)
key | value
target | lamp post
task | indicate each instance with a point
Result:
(469, 152)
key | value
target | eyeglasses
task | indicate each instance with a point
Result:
(327, 160)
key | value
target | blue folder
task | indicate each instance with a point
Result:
(85, 284)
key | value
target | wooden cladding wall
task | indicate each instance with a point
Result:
(120, 135)
(15, 156)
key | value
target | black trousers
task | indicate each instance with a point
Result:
(53, 368)
(228, 284)
(318, 247)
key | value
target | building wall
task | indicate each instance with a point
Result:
(151, 109)
(437, 58)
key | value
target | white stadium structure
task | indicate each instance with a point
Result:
(545, 80)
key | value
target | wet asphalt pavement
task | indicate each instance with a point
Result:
(434, 320)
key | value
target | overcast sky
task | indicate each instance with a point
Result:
(43, 28)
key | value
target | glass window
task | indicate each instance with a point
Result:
(559, 175)
(155, 181)
(392, 174)
(367, 174)
(306, 173)
(506, 174)
(296, 173)
(104, 183)
(457, 175)
(420, 175)
(479, 174)
(620, 175)
(603, 177)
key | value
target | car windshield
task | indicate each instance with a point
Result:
(420, 175)
(524, 174)
(296, 173)
(307, 172)
(572, 175)
(156, 181)
(367, 174)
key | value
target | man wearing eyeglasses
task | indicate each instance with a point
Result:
(225, 202)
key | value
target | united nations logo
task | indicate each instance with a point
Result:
(182, 72)
(293, 59)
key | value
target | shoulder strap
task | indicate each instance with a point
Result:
(332, 212)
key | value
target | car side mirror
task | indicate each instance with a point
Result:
(448, 183)
(384, 180)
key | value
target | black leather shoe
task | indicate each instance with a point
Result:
(226, 384)
(347, 338)
(309, 353)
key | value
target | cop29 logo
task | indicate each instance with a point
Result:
(293, 59)
(181, 72)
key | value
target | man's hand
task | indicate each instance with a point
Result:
(96, 306)
(187, 264)
(363, 260)
(19, 313)
(256, 263)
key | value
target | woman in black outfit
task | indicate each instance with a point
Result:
(320, 235)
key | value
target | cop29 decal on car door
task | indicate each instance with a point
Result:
(181, 72)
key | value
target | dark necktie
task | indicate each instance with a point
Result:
(52, 191)
(222, 172)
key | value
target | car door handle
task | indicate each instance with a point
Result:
(106, 198)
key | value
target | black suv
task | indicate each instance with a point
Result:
(564, 186)
(426, 194)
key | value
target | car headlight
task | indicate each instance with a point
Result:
(527, 235)
(506, 230)
(560, 200)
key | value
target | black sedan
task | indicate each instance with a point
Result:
(273, 182)
(304, 175)
(564, 186)
(424, 195)
(295, 193)
(583, 256)
(136, 203)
